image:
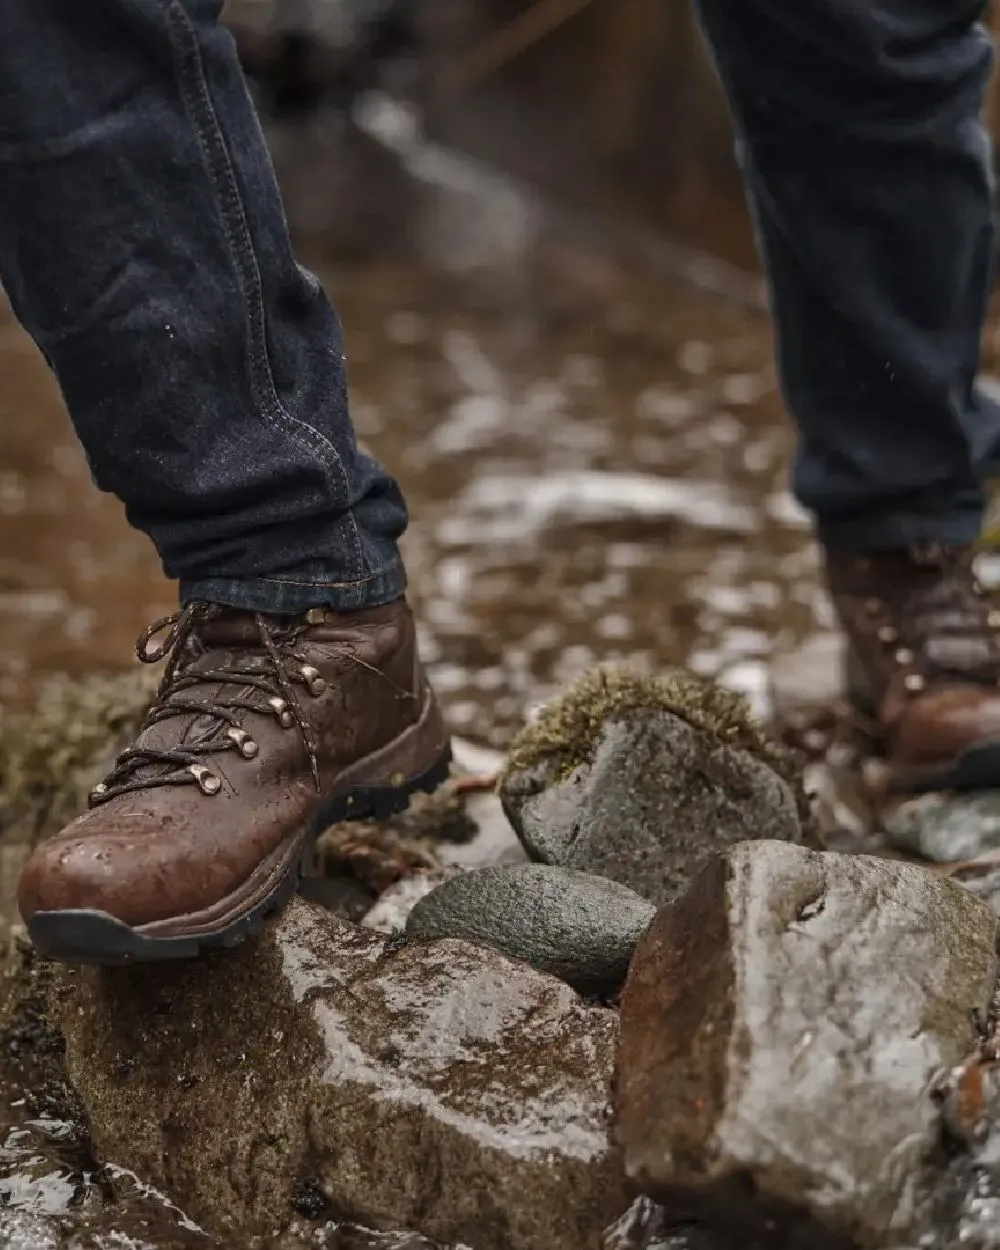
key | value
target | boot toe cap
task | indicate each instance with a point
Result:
(68, 874)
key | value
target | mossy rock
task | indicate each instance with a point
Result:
(642, 778)
(568, 731)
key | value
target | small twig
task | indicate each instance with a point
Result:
(473, 784)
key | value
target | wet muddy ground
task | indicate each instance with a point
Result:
(595, 463)
(595, 457)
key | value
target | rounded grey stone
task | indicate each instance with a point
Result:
(946, 828)
(578, 927)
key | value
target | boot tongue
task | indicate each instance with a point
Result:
(229, 628)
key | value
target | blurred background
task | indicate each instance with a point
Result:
(529, 218)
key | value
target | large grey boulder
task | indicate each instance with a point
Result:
(441, 1088)
(581, 928)
(783, 1025)
(643, 779)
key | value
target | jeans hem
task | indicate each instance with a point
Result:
(873, 532)
(287, 597)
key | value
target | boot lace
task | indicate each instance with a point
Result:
(943, 625)
(260, 684)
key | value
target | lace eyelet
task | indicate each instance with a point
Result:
(904, 656)
(311, 676)
(914, 683)
(208, 782)
(888, 635)
(280, 708)
(873, 607)
(246, 746)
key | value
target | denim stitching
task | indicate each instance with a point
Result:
(198, 103)
(284, 597)
(286, 581)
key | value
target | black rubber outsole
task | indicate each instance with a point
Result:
(95, 937)
(975, 768)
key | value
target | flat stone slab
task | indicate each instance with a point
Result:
(441, 1088)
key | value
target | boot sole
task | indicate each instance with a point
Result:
(94, 937)
(975, 768)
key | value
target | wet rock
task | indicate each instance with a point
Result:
(439, 1088)
(643, 779)
(22, 1229)
(946, 828)
(334, 1235)
(969, 1200)
(578, 927)
(781, 1026)
(646, 1226)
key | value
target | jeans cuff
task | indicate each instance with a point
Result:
(287, 597)
(879, 532)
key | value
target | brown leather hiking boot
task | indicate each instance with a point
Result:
(265, 731)
(923, 663)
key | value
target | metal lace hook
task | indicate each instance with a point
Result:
(292, 699)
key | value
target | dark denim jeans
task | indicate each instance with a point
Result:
(143, 245)
(869, 174)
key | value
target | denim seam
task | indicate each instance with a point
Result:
(197, 99)
(284, 581)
